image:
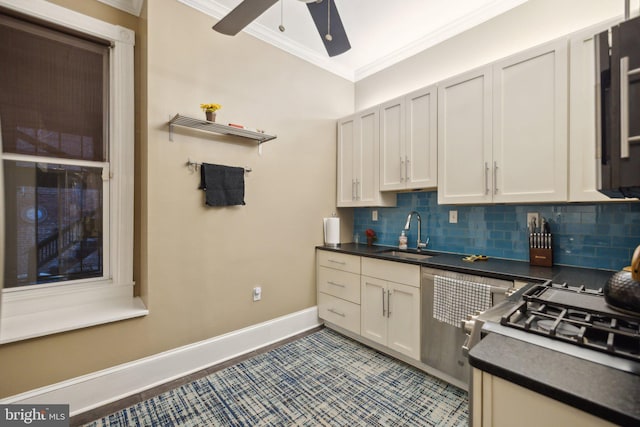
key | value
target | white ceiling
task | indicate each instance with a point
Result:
(381, 32)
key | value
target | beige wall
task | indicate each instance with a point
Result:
(196, 266)
(533, 23)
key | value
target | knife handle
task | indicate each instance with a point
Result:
(635, 265)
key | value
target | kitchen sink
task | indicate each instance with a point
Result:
(415, 256)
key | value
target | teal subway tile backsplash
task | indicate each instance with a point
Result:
(596, 235)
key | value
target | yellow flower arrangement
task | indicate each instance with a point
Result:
(210, 108)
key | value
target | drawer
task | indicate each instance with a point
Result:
(339, 261)
(339, 312)
(341, 284)
(392, 271)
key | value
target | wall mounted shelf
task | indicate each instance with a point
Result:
(213, 127)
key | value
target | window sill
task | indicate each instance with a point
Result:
(32, 325)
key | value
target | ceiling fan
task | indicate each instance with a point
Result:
(324, 13)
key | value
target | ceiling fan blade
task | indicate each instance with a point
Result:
(339, 42)
(242, 15)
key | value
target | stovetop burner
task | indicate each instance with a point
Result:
(578, 316)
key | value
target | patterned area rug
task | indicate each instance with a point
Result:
(323, 379)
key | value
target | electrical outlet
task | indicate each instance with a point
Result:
(533, 216)
(453, 217)
(374, 215)
(257, 293)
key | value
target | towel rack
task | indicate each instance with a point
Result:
(195, 166)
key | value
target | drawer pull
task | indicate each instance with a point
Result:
(336, 312)
(336, 284)
(336, 262)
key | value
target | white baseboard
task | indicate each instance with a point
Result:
(109, 385)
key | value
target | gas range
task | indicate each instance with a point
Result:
(568, 319)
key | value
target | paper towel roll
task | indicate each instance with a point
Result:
(331, 231)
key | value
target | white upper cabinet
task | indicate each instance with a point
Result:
(464, 138)
(582, 129)
(392, 140)
(502, 130)
(530, 120)
(408, 141)
(358, 161)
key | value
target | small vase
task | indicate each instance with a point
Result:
(211, 116)
(369, 241)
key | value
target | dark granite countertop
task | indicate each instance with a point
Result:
(493, 267)
(605, 392)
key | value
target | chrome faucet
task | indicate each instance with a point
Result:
(420, 244)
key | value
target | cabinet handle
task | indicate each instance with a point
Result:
(336, 284)
(353, 189)
(337, 262)
(486, 178)
(401, 167)
(388, 303)
(357, 189)
(495, 177)
(625, 139)
(336, 312)
(406, 168)
(384, 312)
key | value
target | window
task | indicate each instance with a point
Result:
(66, 122)
(54, 87)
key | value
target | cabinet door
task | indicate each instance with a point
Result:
(393, 170)
(358, 170)
(530, 119)
(582, 115)
(373, 309)
(464, 138)
(404, 319)
(421, 139)
(503, 403)
(368, 139)
(347, 153)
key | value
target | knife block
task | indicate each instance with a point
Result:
(541, 249)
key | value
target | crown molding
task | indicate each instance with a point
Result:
(130, 6)
(441, 34)
(274, 38)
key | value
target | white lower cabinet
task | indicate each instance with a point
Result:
(339, 312)
(390, 311)
(498, 402)
(338, 282)
(375, 299)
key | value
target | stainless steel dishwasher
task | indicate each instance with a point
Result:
(441, 343)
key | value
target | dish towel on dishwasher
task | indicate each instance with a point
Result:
(454, 299)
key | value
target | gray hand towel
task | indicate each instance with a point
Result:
(223, 185)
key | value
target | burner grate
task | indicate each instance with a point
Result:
(578, 316)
